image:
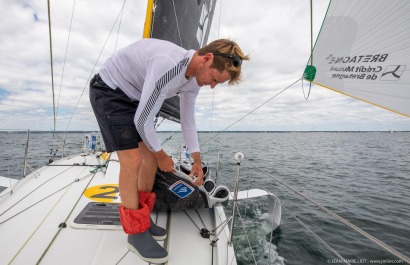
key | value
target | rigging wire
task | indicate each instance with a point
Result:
(250, 112)
(201, 25)
(46, 197)
(61, 84)
(72, 209)
(119, 25)
(220, 12)
(176, 19)
(318, 238)
(45, 217)
(242, 225)
(341, 219)
(311, 33)
(17, 202)
(212, 115)
(311, 51)
(219, 212)
(51, 61)
(205, 233)
(192, 220)
(300, 79)
(213, 91)
(246, 233)
(65, 57)
(95, 64)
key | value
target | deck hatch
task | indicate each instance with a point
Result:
(97, 213)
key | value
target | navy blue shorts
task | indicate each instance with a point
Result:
(115, 113)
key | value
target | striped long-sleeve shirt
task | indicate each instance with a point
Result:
(150, 71)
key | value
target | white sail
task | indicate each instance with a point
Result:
(363, 50)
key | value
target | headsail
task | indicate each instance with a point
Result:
(185, 23)
(363, 51)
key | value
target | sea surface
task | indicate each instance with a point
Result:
(363, 177)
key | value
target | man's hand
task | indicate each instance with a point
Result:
(165, 162)
(196, 170)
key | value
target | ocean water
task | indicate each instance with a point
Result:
(362, 176)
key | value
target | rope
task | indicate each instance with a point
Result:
(35, 230)
(304, 95)
(28, 239)
(250, 112)
(202, 221)
(69, 184)
(192, 220)
(166, 140)
(45, 217)
(32, 191)
(200, 230)
(341, 219)
(207, 232)
(69, 214)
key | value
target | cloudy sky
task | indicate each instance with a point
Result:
(276, 34)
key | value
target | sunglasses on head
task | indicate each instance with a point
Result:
(237, 61)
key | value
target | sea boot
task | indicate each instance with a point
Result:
(157, 232)
(136, 223)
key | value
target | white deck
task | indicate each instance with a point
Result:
(30, 232)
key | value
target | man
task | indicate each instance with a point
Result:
(126, 96)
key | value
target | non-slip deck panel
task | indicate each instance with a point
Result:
(97, 213)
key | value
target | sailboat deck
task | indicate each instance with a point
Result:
(40, 215)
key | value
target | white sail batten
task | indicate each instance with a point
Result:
(363, 51)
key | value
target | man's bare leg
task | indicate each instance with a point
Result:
(148, 169)
(146, 179)
(130, 164)
(135, 217)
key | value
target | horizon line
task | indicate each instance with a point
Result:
(205, 131)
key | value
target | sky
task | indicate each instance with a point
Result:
(276, 35)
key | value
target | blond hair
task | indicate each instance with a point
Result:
(221, 63)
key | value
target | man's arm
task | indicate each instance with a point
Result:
(197, 169)
(152, 98)
(165, 162)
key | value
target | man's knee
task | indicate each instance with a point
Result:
(130, 158)
(147, 155)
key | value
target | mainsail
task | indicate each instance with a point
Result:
(363, 51)
(185, 23)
